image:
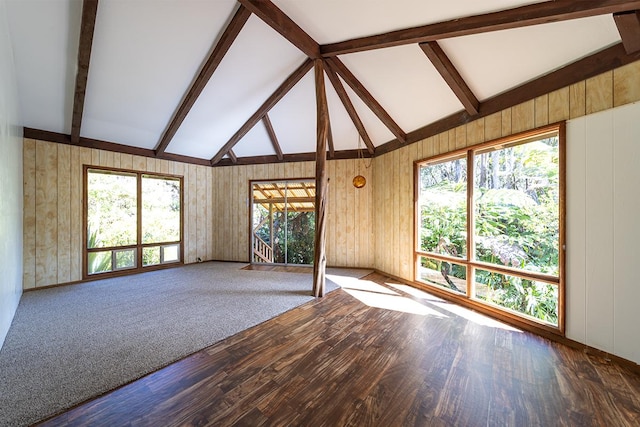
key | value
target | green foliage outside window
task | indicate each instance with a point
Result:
(516, 199)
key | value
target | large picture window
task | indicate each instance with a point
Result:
(133, 220)
(490, 225)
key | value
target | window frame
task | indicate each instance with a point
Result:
(286, 181)
(469, 299)
(138, 246)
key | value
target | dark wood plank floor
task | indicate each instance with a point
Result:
(338, 361)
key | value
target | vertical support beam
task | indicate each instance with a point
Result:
(322, 184)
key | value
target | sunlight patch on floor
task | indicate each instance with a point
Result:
(463, 312)
(393, 302)
(362, 285)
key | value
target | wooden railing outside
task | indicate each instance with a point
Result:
(262, 252)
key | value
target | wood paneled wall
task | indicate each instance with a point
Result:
(216, 208)
(349, 210)
(53, 193)
(393, 172)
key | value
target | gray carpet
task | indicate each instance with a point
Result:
(71, 343)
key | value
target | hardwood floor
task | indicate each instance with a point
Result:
(338, 361)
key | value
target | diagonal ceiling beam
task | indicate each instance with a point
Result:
(272, 136)
(535, 14)
(280, 22)
(330, 147)
(282, 90)
(89, 12)
(628, 24)
(448, 71)
(233, 157)
(338, 66)
(582, 69)
(348, 105)
(215, 58)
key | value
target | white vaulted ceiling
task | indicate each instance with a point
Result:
(146, 54)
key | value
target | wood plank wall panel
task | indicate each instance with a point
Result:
(600, 93)
(64, 213)
(612, 88)
(559, 105)
(202, 230)
(29, 216)
(46, 229)
(626, 88)
(53, 195)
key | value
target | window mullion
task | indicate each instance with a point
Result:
(471, 247)
(139, 219)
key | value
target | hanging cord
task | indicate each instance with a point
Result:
(361, 155)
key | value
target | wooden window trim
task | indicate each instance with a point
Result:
(139, 245)
(469, 260)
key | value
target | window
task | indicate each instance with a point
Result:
(133, 220)
(489, 225)
(283, 222)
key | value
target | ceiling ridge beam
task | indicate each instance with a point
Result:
(338, 66)
(451, 76)
(279, 93)
(628, 24)
(279, 21)
(582, 69)
(534, 14)
(206, 72)
(272, 136)
(348, 105)
(87, 27)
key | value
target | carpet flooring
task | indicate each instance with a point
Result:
(71, 343)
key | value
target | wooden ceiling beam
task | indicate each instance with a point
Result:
(451, 76)
(279, 93)
(272, 136)
(628, 24)
(348, 105)
(61, 138)
(89, 13)
(534, 14)
(213, 61)
(582, 69)
(296, 157)
(232, 156)
(330, 146)
(338, 67)
(276, 19)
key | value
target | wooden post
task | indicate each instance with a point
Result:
(320, 259)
